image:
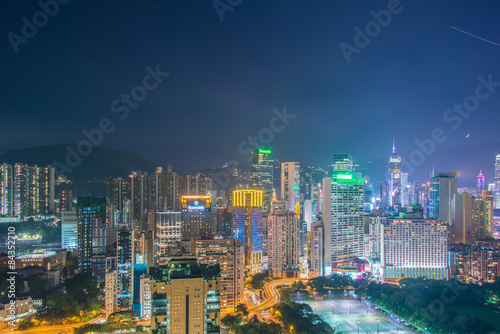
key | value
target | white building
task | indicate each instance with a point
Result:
(145, 297)
(290, 184)
(316, 249)
(69, 230)
(412, 248)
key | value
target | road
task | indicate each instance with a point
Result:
(272, 295)
(55, 329)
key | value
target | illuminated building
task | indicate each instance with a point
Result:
(145, 296)
(140, 184)
(497, 182)
(26, 190)
(65, 200)
(398, 194)
(125, 267)
(69, 230)
(46, 259)
(92, 230)
(442, 188)
(196, 184)
(262, 175)
(197, 220)
(317, 263)
(174, 191)
(283, 235)
(290, 184)
(477, 263)
(421, 195)
(247, 224)
(185, 298)
(412, 248)
(228, 254)
(168, 233)
(158, 183)
(6, 190)
(481, 183)
(343, 198)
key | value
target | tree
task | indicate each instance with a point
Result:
(242, 310)
(83, 287)
(24, 324)
(231, 320)
(37, 285)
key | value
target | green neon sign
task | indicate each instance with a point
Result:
(296, 187)
(264, 151)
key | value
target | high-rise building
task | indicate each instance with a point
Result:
(443, 186)
(262, 175)
(6, 190)
(398, 181)
(65, 200)
(343, 213)
(69, 230)
(185, 298)
(481, 183)
(92, 228)
(140, 195)
(421, 195)
(317, 263)
(247, 220)
(197, 218)
(168, 233)
(228, 254)
(174, 192)
(290, 184)
(111, 292)
(158, 192)
(125, 267)
(412, 248)
(283, 235)
(145, 297)
(497, 182)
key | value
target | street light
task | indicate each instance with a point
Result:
(378, 322)
(350, 309)
(358, 326)
(338, 325)
(333, 311)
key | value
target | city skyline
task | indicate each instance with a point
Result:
(220, 79)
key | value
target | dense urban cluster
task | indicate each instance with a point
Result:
(164, 252)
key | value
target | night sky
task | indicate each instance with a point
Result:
(226, 77)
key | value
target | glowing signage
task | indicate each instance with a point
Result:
(264, 151)
(296, 188)
(344, 177)
(196, 206)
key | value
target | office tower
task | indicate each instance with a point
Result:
(69, 230)
(283, 234)
(317, 263)
(174, 191)
(384, 194)
(196, 184)
(197, 220)
(65, 200)
(139, 193)
(342, 213)
(462, 231)
(421, 195)
(442, 188)
(147, 244)
(223, 219)
(278, 206)
(158, 183)
(414, 248)
(168, 233)
(290, 184)
(247, 220)
(228, 254)
(497, 182)
(481, 183)
(398, 181)
(6, 190)
(262, 175)
(91, 215)
(473, 217)
(185, 298)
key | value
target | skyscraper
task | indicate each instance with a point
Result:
(398, 181)
(290, 184)
(69, 230)
(343, 197)
(174, 191)
(262, 175)
(283, 234)
(158, 199)
(443, 186)
(92, 228)
(65, 200)
(317, 263)
(228, 254)
(197, 220)
(6, 190)
(247, 220)
(168, 233)
(497, 182)
(481, 184)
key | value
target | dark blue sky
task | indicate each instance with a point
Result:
(227, 76)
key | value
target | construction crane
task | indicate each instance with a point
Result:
(108, 181)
